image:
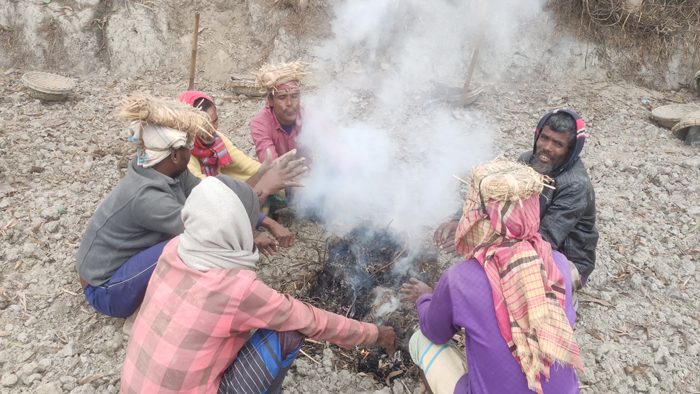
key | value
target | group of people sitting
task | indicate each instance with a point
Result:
(173, 245)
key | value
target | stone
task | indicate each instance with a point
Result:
(31, 368)
(84, 389)
(43, 364)
(9, 380)
(32, 250)
(68, 383)
(48, 388)
(50, 213)
(70, 349)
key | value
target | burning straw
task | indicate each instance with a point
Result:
(144, 108)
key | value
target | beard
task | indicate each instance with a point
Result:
(542, 169)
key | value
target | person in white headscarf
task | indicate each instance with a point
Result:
(208, 325)
(127, 233)
(154, 143)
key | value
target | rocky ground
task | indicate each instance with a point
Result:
(638, 323)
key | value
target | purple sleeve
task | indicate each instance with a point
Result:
(435, 313)
(260, 220)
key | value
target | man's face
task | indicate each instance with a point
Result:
(214, 117)
(550, 150)
(285, 104)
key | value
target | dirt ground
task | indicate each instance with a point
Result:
(638, 322)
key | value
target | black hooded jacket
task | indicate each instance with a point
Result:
(567, 213)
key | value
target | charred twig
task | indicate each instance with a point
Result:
(309, 357)
(387, 226)
(397, 257)
(350, 308)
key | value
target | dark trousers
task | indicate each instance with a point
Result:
(123, 293)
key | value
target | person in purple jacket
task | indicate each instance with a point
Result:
(512, 296)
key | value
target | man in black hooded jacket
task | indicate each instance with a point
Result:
(567, 212)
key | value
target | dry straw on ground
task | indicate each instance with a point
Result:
(270, 76)
(647, 31)
(506, 180)
(169, 113)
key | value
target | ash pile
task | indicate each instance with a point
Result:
(359, 278)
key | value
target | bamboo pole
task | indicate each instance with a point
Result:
(475, 55)
(194, 50)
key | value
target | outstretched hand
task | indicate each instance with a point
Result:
(283, 236)
(387, 339)
(281, 172)
(266, 244)
(414, 290)
(444, 237)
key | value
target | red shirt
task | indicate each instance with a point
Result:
(268, 133)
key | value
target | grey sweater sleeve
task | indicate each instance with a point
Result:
(158, 211)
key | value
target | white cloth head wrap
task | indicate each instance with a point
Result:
(158, 140)
(217, 233)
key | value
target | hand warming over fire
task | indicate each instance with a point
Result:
(387, 339)
(266, 244)
(444, 236)
(283, 236)
(414, 290)
(283, 171)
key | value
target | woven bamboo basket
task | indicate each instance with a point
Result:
(245, 85)
(681, 129)
(47, 86)
(669, 115)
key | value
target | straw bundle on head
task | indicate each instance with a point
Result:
(270, 76)
(506, 180)
(173, 114)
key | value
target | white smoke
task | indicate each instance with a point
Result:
(385, 150)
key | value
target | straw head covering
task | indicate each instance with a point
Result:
(506, 180)
(159, 125)
(273, 78)
(173, 114)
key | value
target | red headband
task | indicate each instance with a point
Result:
(286, 86)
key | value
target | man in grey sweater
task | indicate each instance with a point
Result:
(129, 230)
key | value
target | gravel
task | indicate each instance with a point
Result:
(638, 322)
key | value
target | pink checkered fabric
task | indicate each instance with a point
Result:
(192, 324)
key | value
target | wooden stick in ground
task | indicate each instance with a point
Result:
(194, 50)
(475, 55)
(397, 257)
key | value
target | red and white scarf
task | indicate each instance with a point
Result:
(212, 157)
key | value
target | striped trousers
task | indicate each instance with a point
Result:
(262, 363)
(443, 365)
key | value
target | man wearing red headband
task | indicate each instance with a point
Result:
(276, 126)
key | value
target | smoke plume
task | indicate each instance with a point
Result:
(384, 149)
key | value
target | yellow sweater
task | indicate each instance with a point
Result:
(242, 167)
